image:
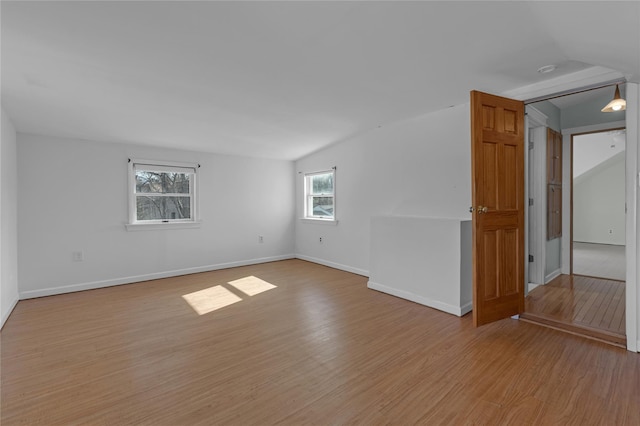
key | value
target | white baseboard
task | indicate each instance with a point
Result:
(531, 286)
(333, 265)
(145, 277)
(436, 304)
(552, 275)
(466, 308)
(5, 315)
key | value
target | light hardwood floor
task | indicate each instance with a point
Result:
(590, 306)
(319, 348)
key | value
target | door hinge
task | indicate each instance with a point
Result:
(530, 145)
(530, 258)
(530, 201)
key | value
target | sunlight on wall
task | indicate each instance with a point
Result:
(210, 299)
(217, 297)
(251, 285)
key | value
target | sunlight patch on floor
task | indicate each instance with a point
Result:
(210, 299)
(251, 285)
(217, 297)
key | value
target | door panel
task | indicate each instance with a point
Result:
(490, 174)
(489, 256)
(510, 193)
(497, 151)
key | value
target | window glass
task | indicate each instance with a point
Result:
(322, 184)
(164, 183)
(162, 193)
(320, 195)
(162, 208)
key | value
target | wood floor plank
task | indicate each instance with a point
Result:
(614, 305)
(606, 300)
(585, 305)
(593, 300)
(318, 347)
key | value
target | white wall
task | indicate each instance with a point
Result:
(598, 204)
(8, 220)
(418, 167)
(424, 260)
(73, 197)
(552, 255)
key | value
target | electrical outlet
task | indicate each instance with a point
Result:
(320, 241)
(77, 256)
(260, 239)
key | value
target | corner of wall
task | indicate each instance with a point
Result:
(8, 219)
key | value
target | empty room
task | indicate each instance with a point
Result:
(310, 212)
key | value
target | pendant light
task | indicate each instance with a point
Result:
(617, 104)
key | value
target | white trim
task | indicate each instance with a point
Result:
(6, 315)
(633, 209)
(436, 304)
(583, 78)
(535, 117)
(527, 194)
(155, 226)
(177, 164)
(565, 242)
(594, 128)
(145, 277)
(319, 221)
(539, 209)
(531, 286)
(552, 275)
(334, 265)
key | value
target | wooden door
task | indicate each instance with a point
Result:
(497, 157)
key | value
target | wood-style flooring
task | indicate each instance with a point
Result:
(590, 306)
(296, 343)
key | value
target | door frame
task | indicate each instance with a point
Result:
(567, 249)
(536, 122)
(573, 83)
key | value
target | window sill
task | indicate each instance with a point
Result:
(158, 226)
(319, 221)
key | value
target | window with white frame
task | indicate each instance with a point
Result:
(319, 197)
(162, 192)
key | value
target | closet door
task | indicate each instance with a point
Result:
(554, 184)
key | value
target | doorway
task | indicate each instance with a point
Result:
(591, 304)
(598, 211)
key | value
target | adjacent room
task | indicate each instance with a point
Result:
(599, 204)
(578, 275)
(268, 212)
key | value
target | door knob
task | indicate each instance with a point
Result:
(471, 209)
(482, 209)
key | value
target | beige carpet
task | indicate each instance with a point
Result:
(599, 260)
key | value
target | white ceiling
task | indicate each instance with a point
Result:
(284, 79)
